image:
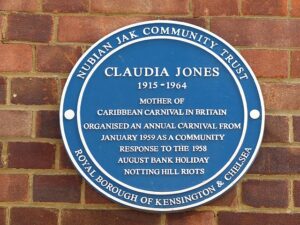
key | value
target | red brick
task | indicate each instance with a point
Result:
(262, 62)
(33, 216)
(281, 96)
(92, 28)
(231, 218)
(107, 217)
(59, 6)
(276, 129)
(295, 9)
(214, 8)
(34, 91)
(15, 123)
(141, 6)
(19, 5)
(94, 197)
(63, 83)
(253, 32)
(296, 126)
(265, 7)
(2, 90)
(15, 58)
(296, 193)
(229, 198)
(191, 218)
(277, 161)
(26, 27)
(47, 124)
(56, 188)
(65, 161)
(295, 64)
(200, 22)
(57, 58)
(1, 25)
(31, 155)
(14, 187)
(2, 216)
(1, 158)
(265, 193)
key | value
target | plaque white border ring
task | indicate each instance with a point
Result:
(252, 116)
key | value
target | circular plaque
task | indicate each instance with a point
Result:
(162, 116)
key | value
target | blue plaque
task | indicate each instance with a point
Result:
(162, 116)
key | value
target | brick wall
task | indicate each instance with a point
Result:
(40, 42)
